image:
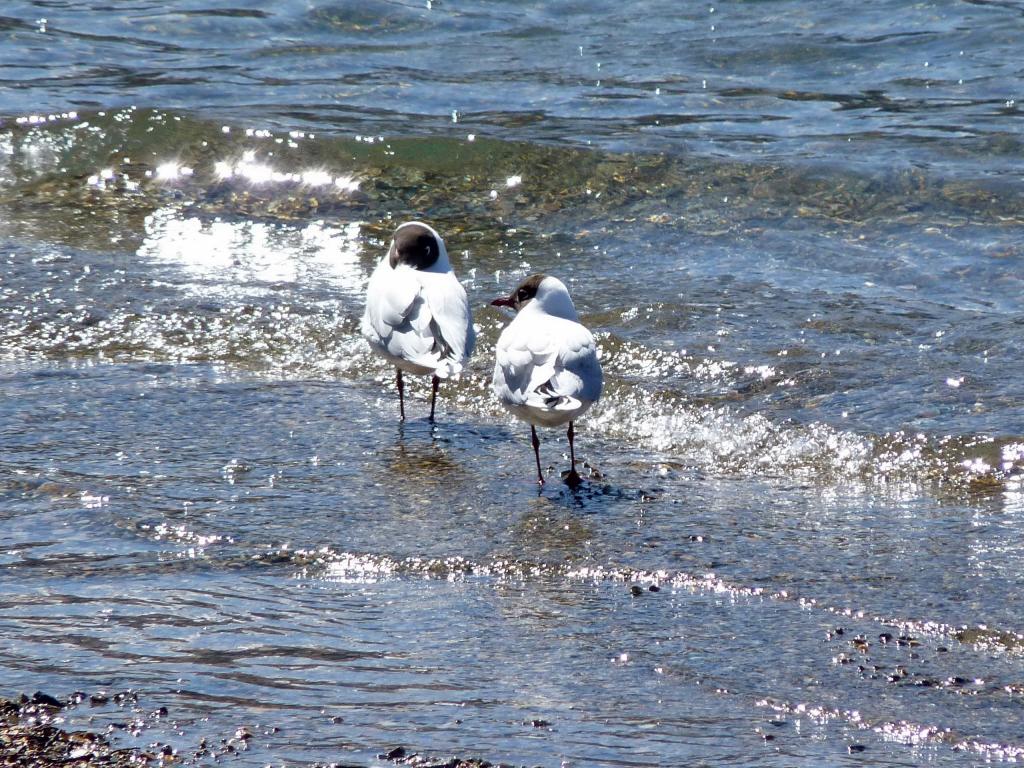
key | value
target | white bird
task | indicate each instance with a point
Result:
(417, 314)
(546, 370)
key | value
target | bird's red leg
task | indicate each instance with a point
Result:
(433, 395)
(573, 478)
(536, 453)
(572, 451)
(401, 395)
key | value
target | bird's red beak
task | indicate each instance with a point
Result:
(504, 301)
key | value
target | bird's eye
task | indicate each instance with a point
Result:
(522, 295)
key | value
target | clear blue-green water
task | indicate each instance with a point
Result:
(797, 231)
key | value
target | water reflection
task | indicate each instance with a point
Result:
(1013, 497)
(550, 531)
(237, 258)
(255, 171)
(420, 457)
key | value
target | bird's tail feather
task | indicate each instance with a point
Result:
(448, 369)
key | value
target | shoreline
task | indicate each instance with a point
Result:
(31, 733)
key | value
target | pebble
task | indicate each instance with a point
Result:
(31, 741)
(46, 700)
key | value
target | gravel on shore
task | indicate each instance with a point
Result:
(31, 737)
(28, 737)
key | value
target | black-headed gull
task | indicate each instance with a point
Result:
(417, 315)
(546, 370)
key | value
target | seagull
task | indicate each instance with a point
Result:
(417, 314)
(546, 370)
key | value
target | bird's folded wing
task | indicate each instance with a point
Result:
(527, 361)
(395, 297)
(396, 317)
(415, 340)
(562, 377)
(583, 379)
(449, 308)
(559, 393)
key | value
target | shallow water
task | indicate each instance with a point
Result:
(796, 232)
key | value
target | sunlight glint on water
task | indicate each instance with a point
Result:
(797, 238)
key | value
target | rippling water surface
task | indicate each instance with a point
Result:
(796, 230)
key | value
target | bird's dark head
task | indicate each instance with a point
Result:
(524, 292)
(415, 245)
